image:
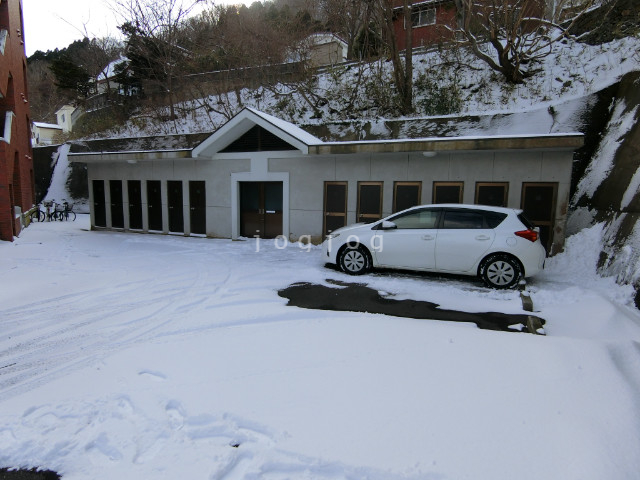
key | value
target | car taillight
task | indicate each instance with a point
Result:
(530, 235)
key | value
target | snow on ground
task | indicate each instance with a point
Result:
(126, 356)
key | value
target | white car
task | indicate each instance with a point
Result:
(499, 245)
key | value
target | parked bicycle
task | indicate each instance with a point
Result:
(51, 210)
(65, 211)
(38, 215)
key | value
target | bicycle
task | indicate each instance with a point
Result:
(51, 210)
(37, 215)
(65, 211)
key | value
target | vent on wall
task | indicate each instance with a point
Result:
(258, 139)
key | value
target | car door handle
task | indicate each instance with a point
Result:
(428, 237)
(483, 237)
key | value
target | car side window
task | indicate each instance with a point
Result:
(461, 219)
(417, 219)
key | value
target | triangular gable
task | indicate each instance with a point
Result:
(258, 139)
(239, 127)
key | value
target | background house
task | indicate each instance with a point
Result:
(325, 49)
(45, 133)
(431, 22)
(67, 116)
(16, 164)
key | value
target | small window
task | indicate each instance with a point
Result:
(406, 195)
(418, 219)
(447, 192)
(422, 17)
(492, 194)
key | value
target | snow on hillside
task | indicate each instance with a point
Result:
(127, 356)
(571, 72)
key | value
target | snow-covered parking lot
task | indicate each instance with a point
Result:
(126, 356)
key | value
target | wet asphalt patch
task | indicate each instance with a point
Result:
(357, 297)
(33, 474)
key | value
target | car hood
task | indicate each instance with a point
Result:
(348, 228)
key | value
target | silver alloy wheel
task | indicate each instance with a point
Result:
(500, 273)
(354, 261)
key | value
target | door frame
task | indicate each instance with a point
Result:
(237, 178)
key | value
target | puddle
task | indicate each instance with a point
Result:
(357, 297)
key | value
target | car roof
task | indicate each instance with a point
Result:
(487, 208)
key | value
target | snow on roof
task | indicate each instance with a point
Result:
(164, 143)
(288, 127)
(480, 128)
(47, 125)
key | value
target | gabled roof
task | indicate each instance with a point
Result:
(244, 121)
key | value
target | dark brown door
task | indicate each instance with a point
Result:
(197, 207)
(175, 205)
(99, 204)
(135, 204)
(539, 205)
(117, 211)
(335, 206)
(369, 201)
(261, 209)
(154, 204)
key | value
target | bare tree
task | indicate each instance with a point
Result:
(402, 70)
(154, 36)
(511, 35)
(347, 18)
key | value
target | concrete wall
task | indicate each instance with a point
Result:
(216, 174)
(307, 177)
(303, 178)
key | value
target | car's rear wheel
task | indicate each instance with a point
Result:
(354, 260)
(500, 271)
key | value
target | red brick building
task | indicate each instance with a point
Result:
(432, 21)
(16, 164)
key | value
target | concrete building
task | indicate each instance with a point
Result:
(261, 176)
(16, 163)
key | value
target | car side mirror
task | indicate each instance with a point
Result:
(387, 225)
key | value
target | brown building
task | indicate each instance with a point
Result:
(16, 163)
(432, 22)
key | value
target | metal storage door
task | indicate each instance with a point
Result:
(175, 205)
(154, 204)
(99, 207)
(117, 212)
(135, 204)
(198, 207)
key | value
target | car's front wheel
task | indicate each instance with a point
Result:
(500, 271)
(354, 260)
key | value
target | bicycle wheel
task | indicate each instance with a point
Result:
(37, 216)
(72, 216)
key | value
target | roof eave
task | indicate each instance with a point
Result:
(546, 142)
(130, 157)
